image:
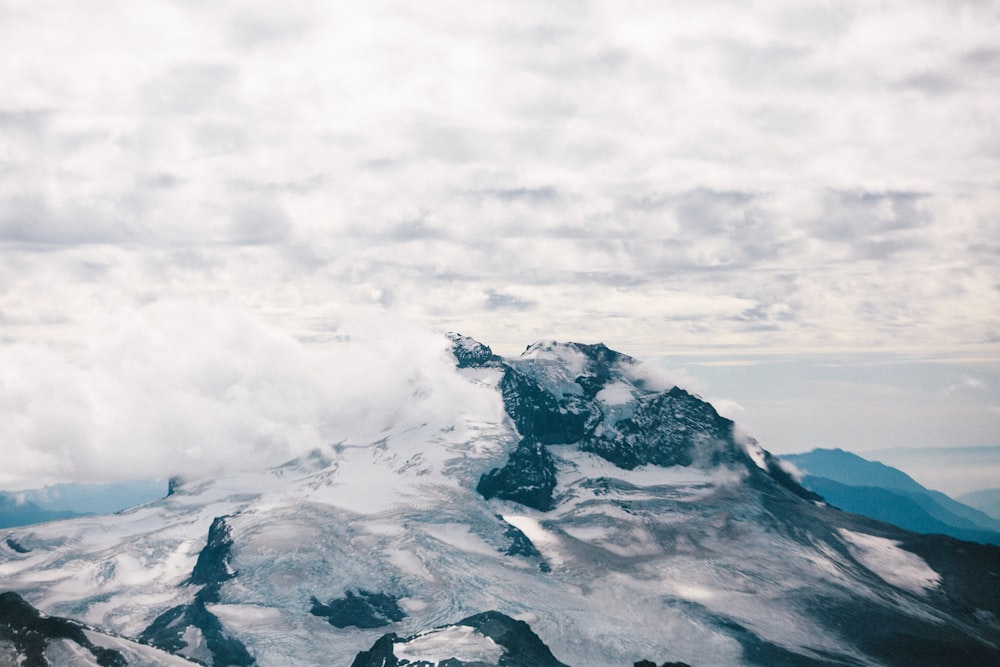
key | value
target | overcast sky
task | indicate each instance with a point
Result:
(730, 182)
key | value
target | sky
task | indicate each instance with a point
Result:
(791, 205)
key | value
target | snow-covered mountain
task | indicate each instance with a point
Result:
(564, 508)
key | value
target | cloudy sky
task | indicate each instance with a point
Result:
(749, 192)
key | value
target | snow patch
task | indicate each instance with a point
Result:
(897, 566)
(459, 642)
(756, 453)
(544, 541)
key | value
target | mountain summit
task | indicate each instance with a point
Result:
(563, 508)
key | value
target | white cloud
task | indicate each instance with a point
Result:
(191, 389)
(766, 177)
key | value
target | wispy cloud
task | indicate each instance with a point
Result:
(188, 389)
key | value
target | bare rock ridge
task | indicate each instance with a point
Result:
(174, 629)
(638, 427)
(31, 632)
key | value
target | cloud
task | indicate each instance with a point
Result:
(496, 300)
(823, 173)
(187, 389)
(964, 383)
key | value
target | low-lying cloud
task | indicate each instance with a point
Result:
(195, 390)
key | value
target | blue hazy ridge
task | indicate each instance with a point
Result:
(873, 489)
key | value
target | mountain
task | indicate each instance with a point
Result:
(15, 511)
(873, 489)
(30, 639)
(985, 500)
(555, 508)
(63, 501)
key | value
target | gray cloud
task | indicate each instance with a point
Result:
(496, 300)
(872, 219)
(187, 89)
(30, 122)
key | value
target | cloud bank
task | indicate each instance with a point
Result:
(185, 389)
(772, 176)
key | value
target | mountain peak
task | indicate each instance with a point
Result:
(549, 504)
(596, 400)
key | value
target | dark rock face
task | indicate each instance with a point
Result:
(650, 663)
(781, 476)
(167, 631)
(541, 416)
(380, 654)
(361, 609)
(173, 485)
(213, 561)
(211, 570)
(520, 545)
(667, 429)
(521, 646)
(16, 546)
(549, 406)
(529, 477)
(29, 631)
(470, 353)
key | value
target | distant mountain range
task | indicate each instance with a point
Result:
(987, 500)
(15, 511)
(875, 490)
(64, 501)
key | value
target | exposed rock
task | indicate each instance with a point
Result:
(667, 429)
(361, 609)
(541, 416)
(470, 353)
(529, 477)
(213, 562)
(520, 545)
(379, 655)
(16, 546)
(30, 632)
(170, 630)
(520, 646)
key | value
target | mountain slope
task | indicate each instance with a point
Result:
(616, 519)
(17, 512)
(984, 500)
(873, 489)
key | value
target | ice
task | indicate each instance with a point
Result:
(458, 642)
(897, 566)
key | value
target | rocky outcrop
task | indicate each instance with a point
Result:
(667, 429)
(555, 394)
(361, 609)
(174, 629)
(213, 561)
(488, 639)
(520, 545)
(529, 477)
(30, 632)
